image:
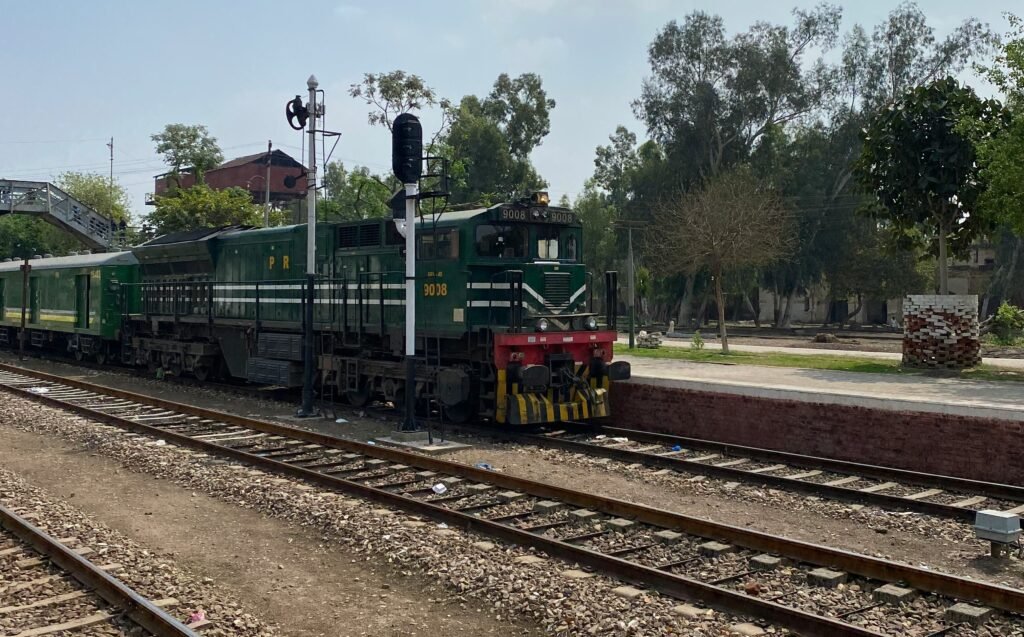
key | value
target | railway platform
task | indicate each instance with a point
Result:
(1001, 400)
(930, 424)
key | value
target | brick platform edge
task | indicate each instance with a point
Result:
(977, 448)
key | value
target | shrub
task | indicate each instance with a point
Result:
(697, 342)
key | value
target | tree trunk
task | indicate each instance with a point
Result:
(855, 312)
(756, 311)
(686, 304)
(943, 258)
(787, 313)
(720, 302)
(701, 311)
(776, 310)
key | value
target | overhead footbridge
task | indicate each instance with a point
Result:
(53, 205)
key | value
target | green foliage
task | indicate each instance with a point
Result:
(921, 169)
(203, 207)
(94, 190)
(188, 147)
(1008, 323)
(355, 194)
(391, 94)
(521, 109)
(697, 341)
(1001, 152)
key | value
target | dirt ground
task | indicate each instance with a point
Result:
(283, 572)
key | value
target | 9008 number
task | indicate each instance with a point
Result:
(435, 289)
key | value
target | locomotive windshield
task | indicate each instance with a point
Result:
(555, 243)
(502, 242)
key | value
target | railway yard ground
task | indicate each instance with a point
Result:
(294, 559)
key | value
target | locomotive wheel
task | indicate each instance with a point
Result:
(461, 413)
(101, 357)
(201, 372)
(359, 398)
(79, 356)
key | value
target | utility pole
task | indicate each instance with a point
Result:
(110, 211)
(310, 367)
(632, 293)
(25, 269)
(631, 273)
(266, 202)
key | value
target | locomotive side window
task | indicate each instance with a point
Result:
(547, 242)
(502, 242)
(440, 245)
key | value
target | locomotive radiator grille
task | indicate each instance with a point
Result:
(556, 288)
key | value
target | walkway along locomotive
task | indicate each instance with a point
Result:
(505, 327)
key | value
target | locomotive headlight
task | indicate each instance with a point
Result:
(590, 323)
(543, 325)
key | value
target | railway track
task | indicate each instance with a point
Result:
(787, 583)
(48, 587)
(885, 487)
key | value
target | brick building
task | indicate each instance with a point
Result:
(248, 173)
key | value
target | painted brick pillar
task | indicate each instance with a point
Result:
(941, 331)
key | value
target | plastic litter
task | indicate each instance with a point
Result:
(620, 439)
(676, 448)
(439, 488)
(484, 465)
(600, 437)
(442, 525)
(161, 442)
(371, 442)
(197, 616)
(39, 390)
(340, 421)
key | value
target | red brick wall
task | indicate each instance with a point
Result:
(977, 448)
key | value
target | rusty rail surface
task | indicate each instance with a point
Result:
(139, 609)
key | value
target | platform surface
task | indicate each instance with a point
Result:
(1002, 400)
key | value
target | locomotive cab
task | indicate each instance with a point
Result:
(531, 299)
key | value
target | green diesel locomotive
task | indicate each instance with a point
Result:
(505, 327)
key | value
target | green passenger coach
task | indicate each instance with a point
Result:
(75, 301)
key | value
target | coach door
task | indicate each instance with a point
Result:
(33, 299)
(82, 301)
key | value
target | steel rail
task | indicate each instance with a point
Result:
(994, 595)
(139, 609)
(836, 492)
(905, 476)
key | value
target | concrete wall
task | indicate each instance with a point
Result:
(978, 448)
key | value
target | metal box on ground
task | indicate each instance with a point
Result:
(274, 372)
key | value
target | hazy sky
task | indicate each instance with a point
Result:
(77, 73)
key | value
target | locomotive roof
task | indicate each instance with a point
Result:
(73, 261)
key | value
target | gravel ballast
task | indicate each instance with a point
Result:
(490, 572)
(148, 573)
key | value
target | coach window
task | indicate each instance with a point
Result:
(501, 242)
(443, 244)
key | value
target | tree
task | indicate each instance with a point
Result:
(391, 94)
(188, 147)
(95, 191)
(921, 169)
(732, 222)
(1001, 154)
(355, 194)
(203, 207)
(709, 98)
(521, 108)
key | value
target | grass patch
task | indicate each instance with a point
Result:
(814, 361)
